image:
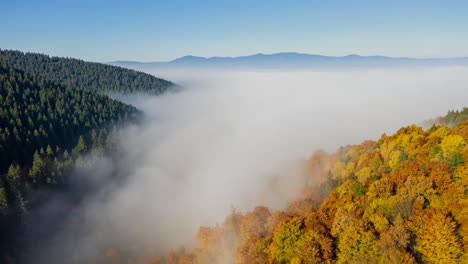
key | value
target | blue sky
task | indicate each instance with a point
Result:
(106, 30)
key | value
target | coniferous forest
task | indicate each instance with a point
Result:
(451, 119)
(84, 75)
(39, 115)
(53, 111)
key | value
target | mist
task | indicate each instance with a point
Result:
(234, 140)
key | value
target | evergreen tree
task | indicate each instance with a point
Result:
(38, 169)
(81, 146)
(14, 174)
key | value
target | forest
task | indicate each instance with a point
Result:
(451, 119)
(54, 111)
(42, 115)
(400, 199)
(83, 74)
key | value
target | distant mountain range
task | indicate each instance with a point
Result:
(290, 60)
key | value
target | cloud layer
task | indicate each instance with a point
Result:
(234, 139)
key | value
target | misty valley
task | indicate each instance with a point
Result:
(283, 158)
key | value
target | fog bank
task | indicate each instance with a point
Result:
(233, 139)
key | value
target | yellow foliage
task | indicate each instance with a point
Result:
(355, 241)
(288, 232)
(416, 186)
(452, 144)
(308, 249)
(384, 207)
(394, 159)
(437, 201)
(461, 172)
(375, 162)
(382, 188)
(341, 222)
(441, 132)
(436, 238)
(386, 149)
(363, 174)
(339, 170)
(379, 221)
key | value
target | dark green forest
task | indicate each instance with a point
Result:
(451, 119)
(45, 127)
(53, 112)
(84, 75)
(41, 115)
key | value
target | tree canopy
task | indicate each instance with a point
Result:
(400, 199)
(84, 75)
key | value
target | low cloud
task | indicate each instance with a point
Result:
(234, 139)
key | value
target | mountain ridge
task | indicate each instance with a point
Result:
(293, 60)
(84, 74)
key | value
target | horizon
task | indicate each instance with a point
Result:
(287, 52)
(233, 57)
(161, 31)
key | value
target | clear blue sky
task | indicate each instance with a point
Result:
(105, 30)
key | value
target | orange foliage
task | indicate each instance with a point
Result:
(402, 199)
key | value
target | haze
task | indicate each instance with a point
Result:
(234, 140)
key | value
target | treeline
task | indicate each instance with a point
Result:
(84, 75)
(451, 119)
(401, 199)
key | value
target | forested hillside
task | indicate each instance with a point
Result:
(44, 127)
(39, 114)
(84, 75)
(47, 125)
(401, 199)
(451, 119)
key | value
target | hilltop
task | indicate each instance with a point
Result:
(84, 75)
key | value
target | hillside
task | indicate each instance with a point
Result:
(84, 75)
(451, 119)
(38, 114)
(401, 199)
(45, 126)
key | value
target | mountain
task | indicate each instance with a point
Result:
(289, 60)
(84, 75)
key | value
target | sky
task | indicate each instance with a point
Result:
(162, 30)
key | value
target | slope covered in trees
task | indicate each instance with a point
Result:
(53, 112)
(84, 75)
(44, 127)
(42, 115)
(400, 199)
(451, 119)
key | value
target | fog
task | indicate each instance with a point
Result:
(233, 140)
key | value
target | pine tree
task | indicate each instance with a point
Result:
(14, 175)
(49, 151)
(81, 146)
(38, 169)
